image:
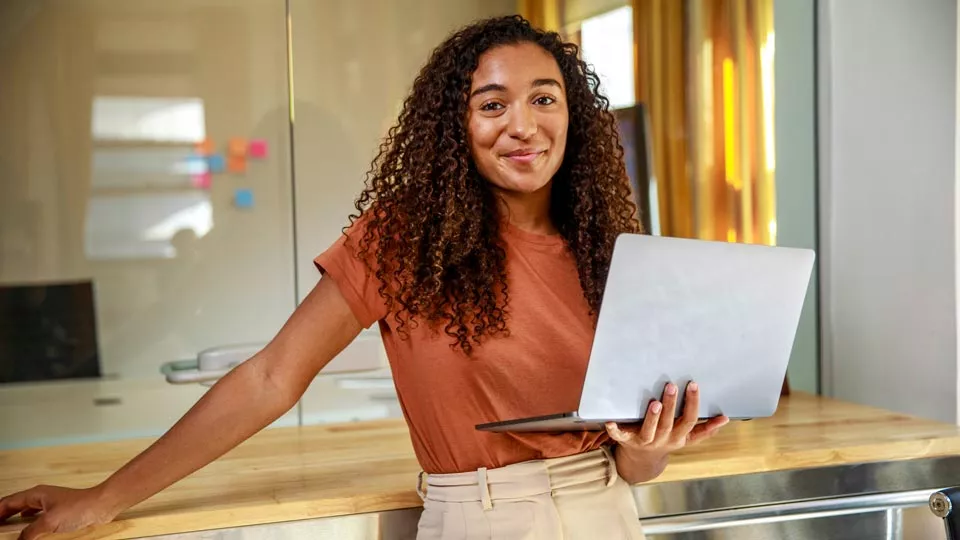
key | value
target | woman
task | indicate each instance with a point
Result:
(481, 247)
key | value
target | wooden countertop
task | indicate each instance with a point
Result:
(285, 474)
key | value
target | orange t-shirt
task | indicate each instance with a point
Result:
(537, 370)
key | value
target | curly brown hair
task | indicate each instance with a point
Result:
(431, 223)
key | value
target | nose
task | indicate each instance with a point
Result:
(521, 124)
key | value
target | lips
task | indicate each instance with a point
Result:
(524, 155)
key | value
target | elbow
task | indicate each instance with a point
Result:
(281, 392)
(276, 390)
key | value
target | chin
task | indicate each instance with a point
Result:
(525, 189)
(523, 185)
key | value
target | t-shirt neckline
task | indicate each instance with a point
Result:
(532, 237)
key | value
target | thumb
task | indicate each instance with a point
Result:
(618, 434)
(41, 527)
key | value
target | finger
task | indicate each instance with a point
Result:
(707, 430)
(618, 434)
(7, 505)
(712, 424)
(39, 527)
(648, 431)
(718, 422)
(691, 410)
(670, 398)
(18, 502)
(29, 512)
(700, 435)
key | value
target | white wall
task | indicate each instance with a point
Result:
(956, 202)
(795, 117)
(887, 126)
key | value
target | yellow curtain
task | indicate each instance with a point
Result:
(661, 85)
(704, 68)
(544, 14)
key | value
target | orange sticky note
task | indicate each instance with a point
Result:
(237, 164)
(204, 147)
(237, 147)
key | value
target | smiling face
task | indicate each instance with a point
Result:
(517, 121)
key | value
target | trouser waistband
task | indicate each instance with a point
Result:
(555, 476)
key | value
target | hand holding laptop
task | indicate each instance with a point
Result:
(675, 309)
(661, 431)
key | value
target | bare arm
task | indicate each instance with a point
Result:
(245, 401)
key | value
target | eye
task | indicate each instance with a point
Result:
(491, 106)
(544, 100)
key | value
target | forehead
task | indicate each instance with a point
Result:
(515, 65)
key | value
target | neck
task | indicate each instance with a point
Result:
(527, 211)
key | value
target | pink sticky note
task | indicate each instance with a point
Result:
(202, 181)
(258, 148)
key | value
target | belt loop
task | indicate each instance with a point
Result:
(612, 473)
(420, 490)
(484, 488)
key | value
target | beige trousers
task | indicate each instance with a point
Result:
(570, 498)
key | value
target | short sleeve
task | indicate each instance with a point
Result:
(357, 282)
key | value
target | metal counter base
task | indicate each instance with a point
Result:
(853, 502)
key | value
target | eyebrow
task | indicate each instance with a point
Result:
(496, 87)
(546, 82)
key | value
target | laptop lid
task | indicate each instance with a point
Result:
(722, 314)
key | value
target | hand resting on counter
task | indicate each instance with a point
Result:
(249, 398)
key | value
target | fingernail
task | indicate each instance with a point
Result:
(671, 389)
(655, 408)
(694, 387)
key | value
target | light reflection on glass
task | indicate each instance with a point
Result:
(126, 167)
(143, 226)
(148, 119)
(141, 196)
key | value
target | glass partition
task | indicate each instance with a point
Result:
(168, 171)
(115, 119)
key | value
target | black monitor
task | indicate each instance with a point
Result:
(48, 332)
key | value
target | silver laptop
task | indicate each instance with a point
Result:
(722, 314)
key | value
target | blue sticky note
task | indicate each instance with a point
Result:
(243, 198)
(216, 163)
(191, 166)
